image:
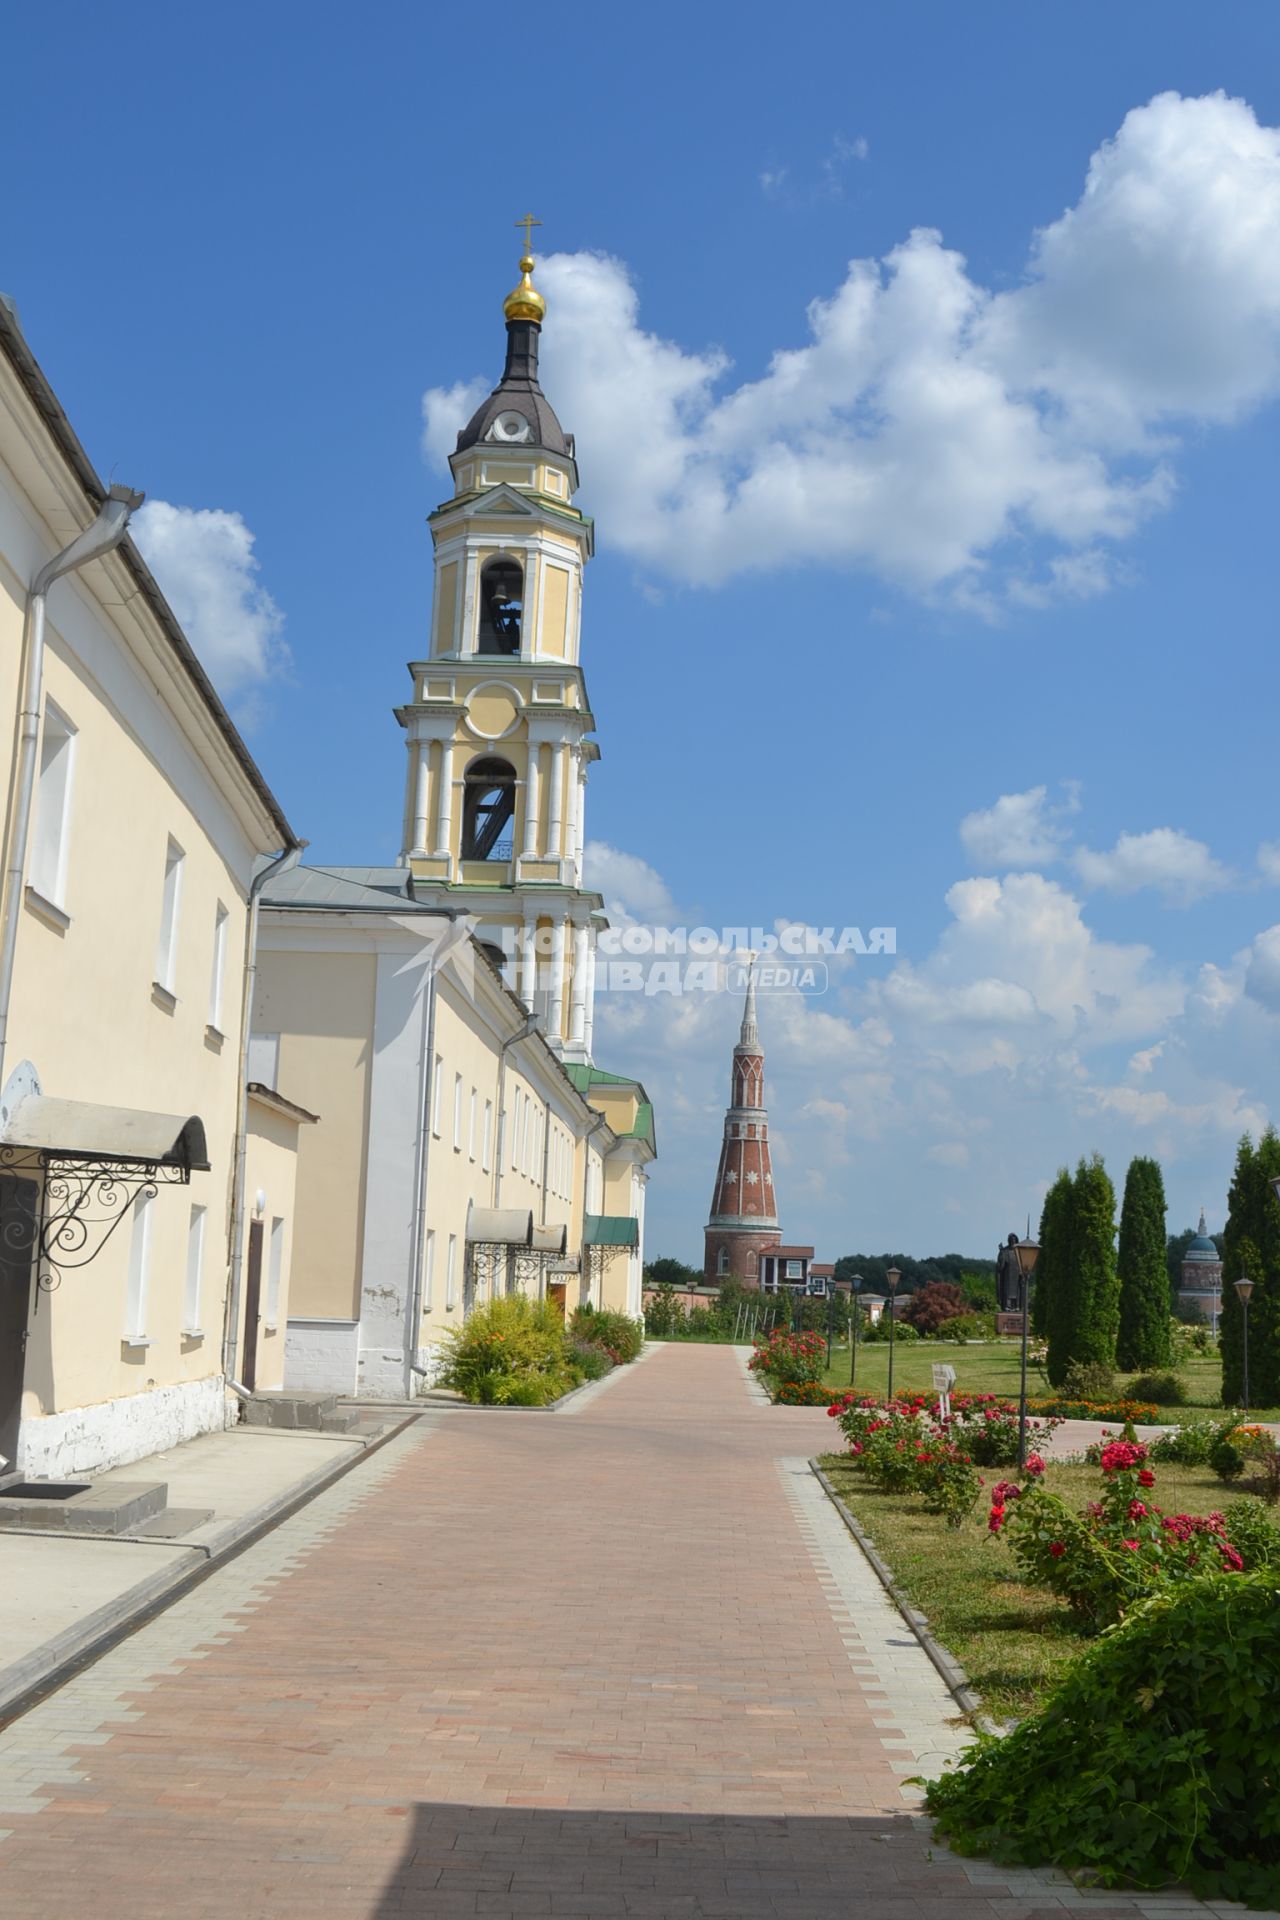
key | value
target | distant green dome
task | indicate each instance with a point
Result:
(1202, 1250)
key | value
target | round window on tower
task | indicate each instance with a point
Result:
(512, 427)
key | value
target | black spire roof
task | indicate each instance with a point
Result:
(518, 392)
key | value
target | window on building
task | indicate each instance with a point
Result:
(437, 1081)
(195, 1271)
(722, 1262)
(219, 969)
(501, 607)
(50, 833)
(275, 1271)
(515, 1131)
(795, 1270)
(451, 1272)
(487, 1136)
(429, 1277)
(264, 1059)
(457, 1113)
(170, 904)
(488, 805)
(135, 1310)
(471, 1127)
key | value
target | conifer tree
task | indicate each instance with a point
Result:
(1055, 1226)
(1251, 1250)
(1142, 1269)
(1084, 1310)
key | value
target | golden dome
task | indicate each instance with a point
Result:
(525, 302)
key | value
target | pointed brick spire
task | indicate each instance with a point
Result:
(744, 1214)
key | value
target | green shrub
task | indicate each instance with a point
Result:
(1152, 1762)
(664, 1317)
(512, 1339)
(1187, 1446)
(880, 1331)
(1188, 1340)
(967, 1326)
(617, 1336)
(1089, 1380)
(1165, 1388)
(591, 1362)
(1226, 1458)
(1255, 1537)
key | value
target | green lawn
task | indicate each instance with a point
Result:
(993, 1368)
(1012, 1640)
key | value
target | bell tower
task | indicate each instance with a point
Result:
(498, 728)
(744, 1210)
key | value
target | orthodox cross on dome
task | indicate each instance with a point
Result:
(528, 222)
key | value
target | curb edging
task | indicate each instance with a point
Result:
(953, 1675)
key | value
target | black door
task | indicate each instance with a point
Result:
(18, 1202)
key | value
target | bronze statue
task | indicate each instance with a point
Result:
(1008, 1277)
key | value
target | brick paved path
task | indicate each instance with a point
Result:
(620, 1660)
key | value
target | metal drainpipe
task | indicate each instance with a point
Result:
(235, 1229)
(107, 531)
(426, 1082)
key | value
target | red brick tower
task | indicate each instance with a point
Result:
(744, 1217)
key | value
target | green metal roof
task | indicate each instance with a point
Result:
(610, 1230)
(584, 1077)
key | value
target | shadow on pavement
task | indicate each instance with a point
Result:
(515, 1862)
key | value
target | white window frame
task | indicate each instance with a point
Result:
(515, 1132)
(217, 977)
(196, 1226)
(457, 1113)
(275, 1271)
(135, 1306)
(486, 1137)
(437, 1082)
(451, 1273)
(51, 829)
(471, 1126)
(429, 1275)
(170, 916)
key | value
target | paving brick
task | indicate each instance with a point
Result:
(624, 1664)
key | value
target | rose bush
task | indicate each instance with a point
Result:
(793, 1359)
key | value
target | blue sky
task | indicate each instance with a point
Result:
(249, 242)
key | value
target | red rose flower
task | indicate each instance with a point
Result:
(1057, 1548)
(1146, 1478)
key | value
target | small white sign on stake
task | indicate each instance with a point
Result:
(944, 1378)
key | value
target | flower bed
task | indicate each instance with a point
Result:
(806, 1393)
(1138, 1412)
(907, 1445)
(790, 1360)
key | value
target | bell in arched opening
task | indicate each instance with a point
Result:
(501, 607)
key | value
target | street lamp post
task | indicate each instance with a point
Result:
(854, 1284)
(1028, 1253)
(892, 1278)
(1244, 1289)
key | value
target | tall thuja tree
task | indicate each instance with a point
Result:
(1142, 1269)
(1055, 1230)
(1084, 1315)
(1251, 1250)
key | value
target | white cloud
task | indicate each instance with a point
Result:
(1020, 830)
(204, 561)
(445, 411)
(633, 890)
(1167, 859)
(930, 430)
(1262, 974)
(1269, 862)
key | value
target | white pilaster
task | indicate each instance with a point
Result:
(528, 965)
(422, 774)
(555, 809)
(580, 820)
(555, 999)
(444, 802)
(578, 999)
(589, 1005)
(530, 848)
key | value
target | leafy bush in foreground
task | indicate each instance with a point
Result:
(617, 1336)
(513, 1352)
(1154, 1759)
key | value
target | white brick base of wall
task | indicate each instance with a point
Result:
(56, 1446)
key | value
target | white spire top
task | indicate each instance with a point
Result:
(750, 1035)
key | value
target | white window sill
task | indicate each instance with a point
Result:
(193, 1333)
(163, 997)
(214, 1037)
(135, 1342)
(47, 910)
(271, 1326)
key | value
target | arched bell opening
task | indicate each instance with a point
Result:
(489, 802)
(501, 607)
